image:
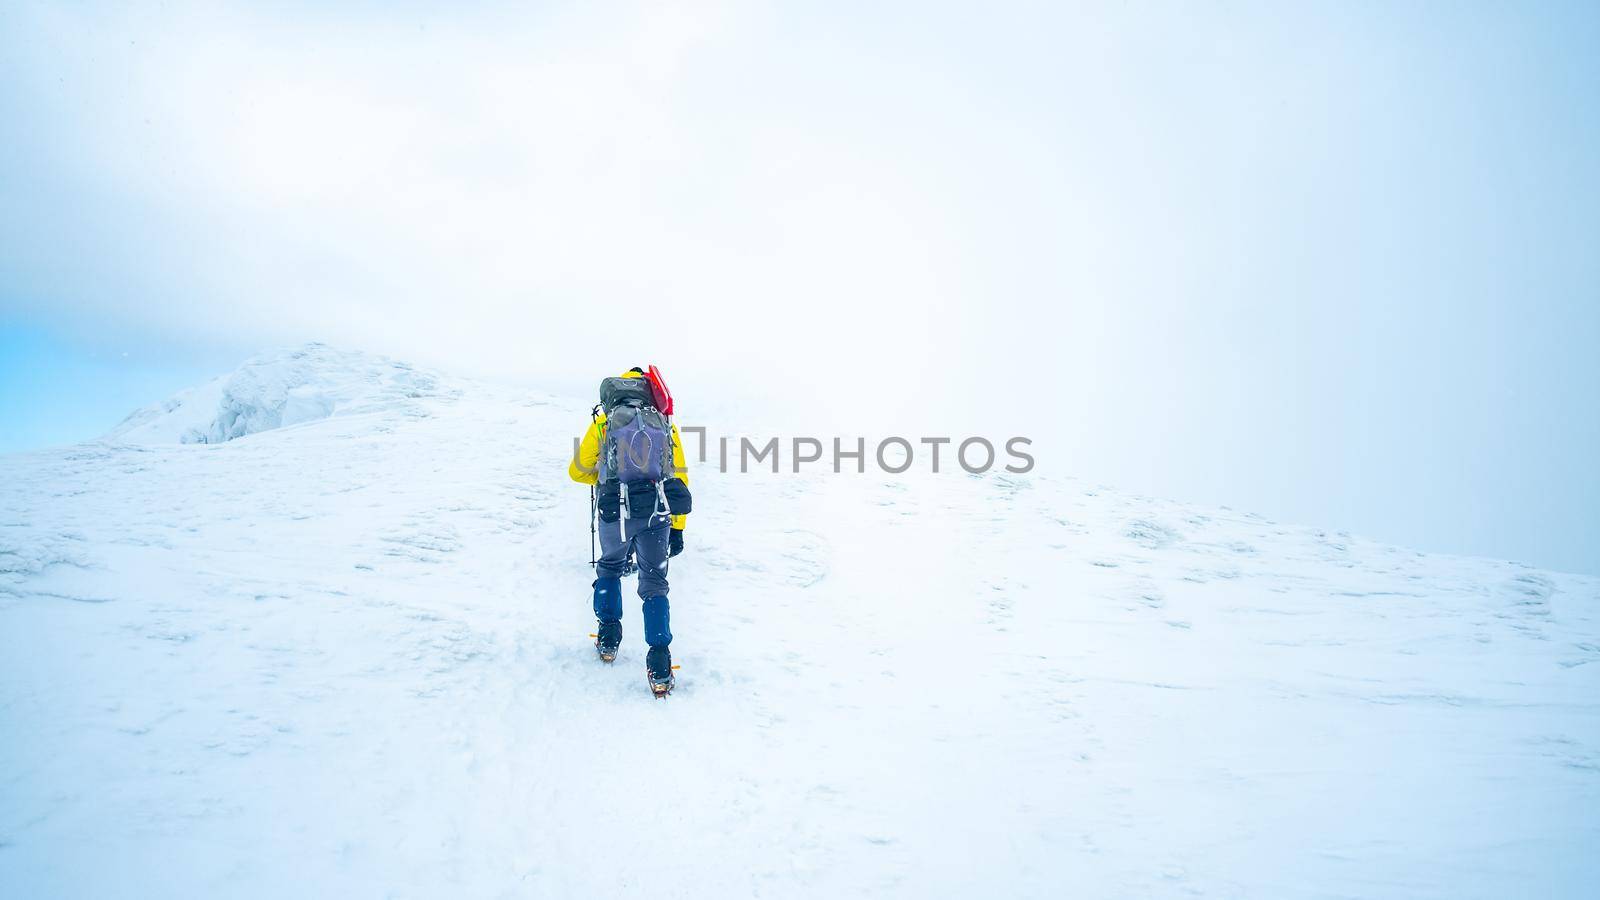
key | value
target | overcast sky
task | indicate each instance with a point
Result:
(1335, 263)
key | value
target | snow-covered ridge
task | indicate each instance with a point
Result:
(279, 389)
(351, 658)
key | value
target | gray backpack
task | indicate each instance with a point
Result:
(638, 440)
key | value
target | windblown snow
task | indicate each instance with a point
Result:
(350, 658)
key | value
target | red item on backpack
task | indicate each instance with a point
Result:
(659, 385)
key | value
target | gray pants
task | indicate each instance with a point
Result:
(647, 539)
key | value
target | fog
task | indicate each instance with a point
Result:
(1333, 262)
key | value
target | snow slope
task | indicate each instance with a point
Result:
(350, 659)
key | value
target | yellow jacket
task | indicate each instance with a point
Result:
(585, 466)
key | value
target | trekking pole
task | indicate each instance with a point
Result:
(594, 415)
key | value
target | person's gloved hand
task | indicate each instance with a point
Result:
(675, 542)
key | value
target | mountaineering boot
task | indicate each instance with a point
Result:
(658, 668)
(608, 637)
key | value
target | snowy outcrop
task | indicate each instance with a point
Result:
(279, 389)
